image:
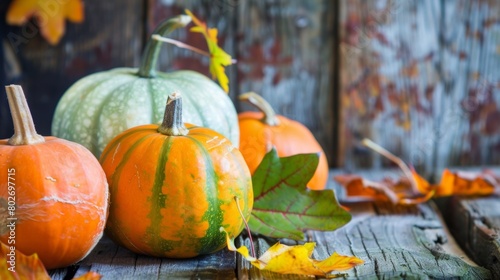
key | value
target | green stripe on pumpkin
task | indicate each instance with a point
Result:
(158, 244)
(119, 138)
(213, 237)
(116, 176)
(118, 170)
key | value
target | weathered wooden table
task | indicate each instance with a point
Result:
(448, 238)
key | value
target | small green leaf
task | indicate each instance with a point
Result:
(284, 207)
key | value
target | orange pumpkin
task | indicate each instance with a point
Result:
(173, 187)
(260, 131)
(53, 192)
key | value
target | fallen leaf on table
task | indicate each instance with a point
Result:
(89, 276)
(467, 183)
(50, 15)
(412, 188)
(284, 207)
(15, 265)
(295, 259)
(396, 191)
(218, 57)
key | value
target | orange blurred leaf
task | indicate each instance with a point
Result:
(89, 276)
(413, 188)
(398, 191)
(411, 71)
(50, 15)
(218, 57)
(15, 265)
(357, 101)
(295, 259)
(410, 189)
(467, 183)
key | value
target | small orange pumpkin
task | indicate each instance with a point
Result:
(173, 187)
(53, 192)
(260, 131)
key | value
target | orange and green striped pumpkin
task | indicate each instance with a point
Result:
(173, 187)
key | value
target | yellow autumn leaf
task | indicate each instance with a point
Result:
(295, 259)
(218, 57)
(16, 265)
(50, 15)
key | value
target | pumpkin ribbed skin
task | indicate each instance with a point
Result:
(100, 106)
(171, 194)
(61, 199)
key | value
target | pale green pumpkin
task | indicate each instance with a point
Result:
(100, 106)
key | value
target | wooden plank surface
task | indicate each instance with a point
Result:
(475, 223)
(395, 242)
(114, 262)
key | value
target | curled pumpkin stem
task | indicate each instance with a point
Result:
(152, 49)
(262, 105)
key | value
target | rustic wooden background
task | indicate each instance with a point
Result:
(418, 77)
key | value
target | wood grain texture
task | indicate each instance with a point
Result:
(100, 43)
(410, 242)
(421, 79)
(114, 262)
(394, 242)
(285, 53)
(475, 223)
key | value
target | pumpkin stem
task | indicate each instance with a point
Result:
(24, 129)
(260, 103)
(172, 124)
(152, 50)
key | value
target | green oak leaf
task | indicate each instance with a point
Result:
(284, 207)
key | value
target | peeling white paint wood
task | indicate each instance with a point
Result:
(421, 79)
